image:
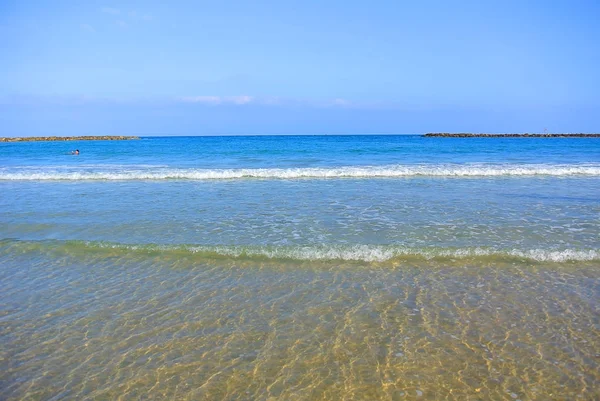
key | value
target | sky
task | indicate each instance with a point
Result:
(298, 67)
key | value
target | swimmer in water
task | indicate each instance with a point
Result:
(75, 152)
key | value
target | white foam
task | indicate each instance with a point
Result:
(109, 173)
(366, 253)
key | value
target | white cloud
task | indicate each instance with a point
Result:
(137, 16)
(110, 10)
(87, 27)
(201, 99)
(340, 102)
(272, 100)
(269, 101)
(217, 100)
(240, 99)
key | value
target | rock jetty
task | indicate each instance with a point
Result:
(70, 138)
(545, 135)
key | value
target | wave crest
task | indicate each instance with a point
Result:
(357, 252)
(393, 171)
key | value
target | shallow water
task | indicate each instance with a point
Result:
(468, 271)
(109, 324)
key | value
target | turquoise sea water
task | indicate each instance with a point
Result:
(307, 267)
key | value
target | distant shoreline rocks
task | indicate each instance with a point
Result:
(467, 135)
(70, 138)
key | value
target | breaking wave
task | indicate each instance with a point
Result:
(107, 173)
(358, 252)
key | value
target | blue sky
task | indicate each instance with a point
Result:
(294, 67)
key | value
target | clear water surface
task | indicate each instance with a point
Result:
(307, 267)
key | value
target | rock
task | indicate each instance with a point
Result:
(70, 138)
(525, 135)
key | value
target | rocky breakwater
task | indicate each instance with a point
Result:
(544, 135)
(70, 138)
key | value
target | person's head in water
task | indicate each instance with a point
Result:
(76, 152)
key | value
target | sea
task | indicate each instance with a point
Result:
(368, 267)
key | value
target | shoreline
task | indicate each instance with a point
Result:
(470, 135)
(70, 138)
